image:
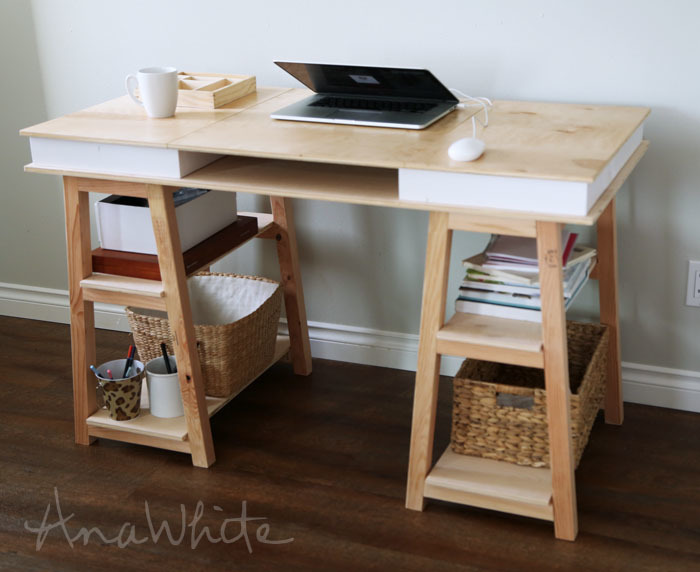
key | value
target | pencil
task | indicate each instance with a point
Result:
(129, 360)
(164, 350)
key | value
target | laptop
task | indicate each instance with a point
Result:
(373, 96)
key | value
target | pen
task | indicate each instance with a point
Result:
(164, 349)
(109, 373)
(129, 360)
(94, 370)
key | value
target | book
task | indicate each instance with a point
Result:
(482, 309)
(475, 267)
(526, 297)
(498, 286)
(523, 250)
(501, 298)
(579, 253)
(512, 311)
(476, 271)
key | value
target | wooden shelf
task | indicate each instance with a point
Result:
(493, 339)
(159, 432)
(490, 484)
(123, 284)
(141, 292)
(502, 340)
(124, 291)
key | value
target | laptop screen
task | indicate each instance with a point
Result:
(363, 80)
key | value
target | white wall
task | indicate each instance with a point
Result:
(363, 266)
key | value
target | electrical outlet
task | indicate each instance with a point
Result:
(693, 295)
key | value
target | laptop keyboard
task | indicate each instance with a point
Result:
(373, 104)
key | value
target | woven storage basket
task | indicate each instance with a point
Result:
(500, 411)
(236, 319)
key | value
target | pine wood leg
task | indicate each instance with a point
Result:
(556, 373)
(82, 315)
(607, 284)
(428, 371)
(288, 255)
(177, 302)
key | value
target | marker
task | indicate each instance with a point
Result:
(129, 361)
(109, 373)
(164, 349)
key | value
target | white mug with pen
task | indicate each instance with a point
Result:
(164, 394)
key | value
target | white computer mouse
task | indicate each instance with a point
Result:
(467, 149)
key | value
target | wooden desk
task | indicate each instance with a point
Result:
(359, 165)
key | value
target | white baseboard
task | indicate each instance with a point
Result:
(661, 386)
(645, 384)
(52, 305)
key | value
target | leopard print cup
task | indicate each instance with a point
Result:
(122, 396)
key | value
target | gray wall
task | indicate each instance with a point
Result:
(31, 212)
(363, 266)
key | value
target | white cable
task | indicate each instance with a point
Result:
(484, 102)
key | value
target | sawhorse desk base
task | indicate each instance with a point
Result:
(194, 435)
(541, 493)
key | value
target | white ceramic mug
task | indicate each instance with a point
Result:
(158, 90)
(164, 395)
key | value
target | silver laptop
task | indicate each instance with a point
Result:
(374, 96)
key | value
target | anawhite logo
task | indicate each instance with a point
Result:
(128, 533)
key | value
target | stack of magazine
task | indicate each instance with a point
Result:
(503, 281)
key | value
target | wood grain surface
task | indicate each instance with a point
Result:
(562, 141)
(324, 458)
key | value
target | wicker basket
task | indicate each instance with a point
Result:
(235, 329)
(500, 410)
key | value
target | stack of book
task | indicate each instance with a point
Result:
(503, 281)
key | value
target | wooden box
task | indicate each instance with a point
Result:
(212, 90)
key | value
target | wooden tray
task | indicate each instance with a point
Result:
(212, 90)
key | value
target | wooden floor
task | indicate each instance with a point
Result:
(324, 459)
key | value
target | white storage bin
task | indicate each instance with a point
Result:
(124, 223)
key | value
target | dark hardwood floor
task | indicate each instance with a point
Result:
(323, 458)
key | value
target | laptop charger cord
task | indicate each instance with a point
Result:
(468, 101)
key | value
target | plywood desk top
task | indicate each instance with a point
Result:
(568, 142)
(121, 121)
(524, 139)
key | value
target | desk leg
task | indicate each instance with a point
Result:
(288, 255)
(82, 315)
(607, 283)
(556, 372)
(177, 303)
(437, 261)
